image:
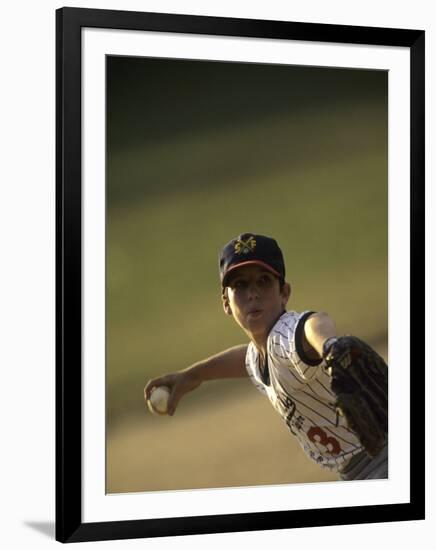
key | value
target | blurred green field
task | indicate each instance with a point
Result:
(197, 153)
(316, 181)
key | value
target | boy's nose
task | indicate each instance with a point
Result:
(253, 290)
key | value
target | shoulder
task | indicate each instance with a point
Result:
(282, 335)
(288, 324)
(287, 338)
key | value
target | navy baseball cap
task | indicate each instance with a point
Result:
(248, 249)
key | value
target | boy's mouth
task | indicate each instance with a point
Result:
(255, 312)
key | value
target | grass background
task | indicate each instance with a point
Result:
(198, 152)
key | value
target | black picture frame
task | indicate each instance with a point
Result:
(69, 524)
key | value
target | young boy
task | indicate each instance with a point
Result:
(285, 359)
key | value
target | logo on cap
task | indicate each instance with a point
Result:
(244, 247)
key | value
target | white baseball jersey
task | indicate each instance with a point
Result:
(300, 391)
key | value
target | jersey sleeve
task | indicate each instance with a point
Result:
(287, 345)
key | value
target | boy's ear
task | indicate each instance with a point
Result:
(226, 304)
(286, 293)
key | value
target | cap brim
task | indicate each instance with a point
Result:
(248, 262)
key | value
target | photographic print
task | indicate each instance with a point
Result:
(239, 257)
(199, 153)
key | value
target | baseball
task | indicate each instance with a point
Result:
(158, 401)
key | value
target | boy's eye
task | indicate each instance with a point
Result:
(239, 284)
(265, 279)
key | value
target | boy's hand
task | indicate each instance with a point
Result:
(179, 384)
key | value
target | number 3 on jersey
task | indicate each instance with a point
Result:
(318, 435)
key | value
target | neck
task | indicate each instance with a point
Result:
(261, 345)
(261, 341)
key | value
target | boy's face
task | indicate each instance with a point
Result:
(254, 298)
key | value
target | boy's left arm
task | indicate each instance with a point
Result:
(317, 329)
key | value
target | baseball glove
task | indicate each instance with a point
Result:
(360, 384)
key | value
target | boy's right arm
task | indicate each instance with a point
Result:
(227, 364)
